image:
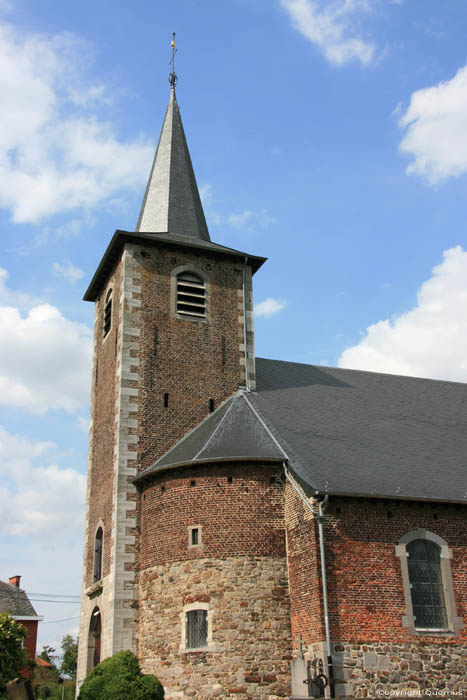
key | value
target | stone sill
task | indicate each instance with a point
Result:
(95, 589)
(198, 650)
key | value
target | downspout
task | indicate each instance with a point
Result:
(247, 374)
(320, 517)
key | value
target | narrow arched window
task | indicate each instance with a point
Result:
(190, 295)
(94, 639)
(426, 584)
(98, 540)
(108, 313)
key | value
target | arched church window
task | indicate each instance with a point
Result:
(190, 295)
(425, 560)
(108, 313)
(426, 584)
(98, 542)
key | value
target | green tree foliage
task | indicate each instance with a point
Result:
(12, 655)
(120, 678)
(70, 655)
(47, 654)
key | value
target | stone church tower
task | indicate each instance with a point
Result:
(170, 556)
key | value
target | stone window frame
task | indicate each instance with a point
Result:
(200, 536)
(108, 302)
(173, 293)
(454, 623)
(197, 605)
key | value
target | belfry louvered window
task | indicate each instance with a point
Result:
(196, 629)
(191, 295)
(426, 584)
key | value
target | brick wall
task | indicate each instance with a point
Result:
(29, 643)
(304, 570)
(191, 360)
(237, 518)
(373, 651)
(364, 580)
(103, 432)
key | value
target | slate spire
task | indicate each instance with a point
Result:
(172, 203)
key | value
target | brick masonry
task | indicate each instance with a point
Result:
(374, 652)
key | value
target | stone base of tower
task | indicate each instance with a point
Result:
(116, 629)
(248, 649)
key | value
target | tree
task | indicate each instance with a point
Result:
(47, 654)
(70, 656)
(13, 657)
(119, 678)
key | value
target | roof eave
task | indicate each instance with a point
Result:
(156, 470)
(386, 496)
(119, 238)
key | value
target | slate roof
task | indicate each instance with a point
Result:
(171, 201)
(342, 432)
(14, 600)
(119, 239)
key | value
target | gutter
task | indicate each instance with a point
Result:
(247, 376)
(320, 517)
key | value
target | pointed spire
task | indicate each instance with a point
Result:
(172, 203)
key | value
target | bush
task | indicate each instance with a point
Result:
(120, 678)
(13, 658)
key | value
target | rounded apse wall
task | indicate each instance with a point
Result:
(213, 550)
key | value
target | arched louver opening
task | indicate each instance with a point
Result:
(108, 313)
(98, 555)
(426, 584)
(191, 295)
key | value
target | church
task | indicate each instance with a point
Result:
(258, 528)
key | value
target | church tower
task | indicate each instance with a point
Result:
(173, 340)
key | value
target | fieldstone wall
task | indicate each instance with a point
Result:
(398, 670)
(249, 649)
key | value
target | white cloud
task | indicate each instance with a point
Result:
(45, 359)
(329, 24)
(10, 296)
(68, 271)
(430, 340)
(269, 307)
(56, 154)
(247, 220)
(436, 135)
(39, 501)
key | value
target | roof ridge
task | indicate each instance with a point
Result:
(216, 428)
(364, 371)
(269, 432)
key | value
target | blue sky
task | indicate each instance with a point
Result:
(330, 137)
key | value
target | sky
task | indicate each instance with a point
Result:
(327, 135)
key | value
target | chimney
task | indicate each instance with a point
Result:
(14, 581)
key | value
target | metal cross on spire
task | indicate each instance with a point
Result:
(173, 79)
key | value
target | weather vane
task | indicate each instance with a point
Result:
(173, 80)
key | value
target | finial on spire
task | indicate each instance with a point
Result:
(173, 79)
